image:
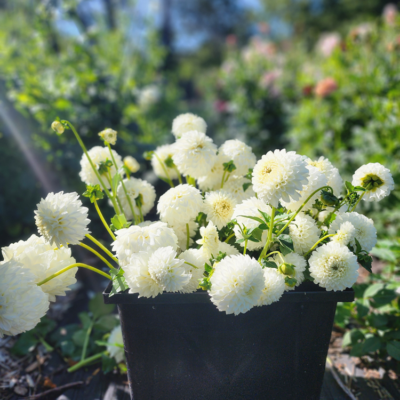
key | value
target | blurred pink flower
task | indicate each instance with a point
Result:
(390, 13)
(221, 106)
(327, 43)
(269, 78)
(231, 40)
(263, 27)
(325, 87)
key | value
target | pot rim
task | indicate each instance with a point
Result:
(306, 292)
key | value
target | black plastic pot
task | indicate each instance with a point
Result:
(179, 346)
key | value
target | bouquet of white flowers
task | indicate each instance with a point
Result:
(241, 229)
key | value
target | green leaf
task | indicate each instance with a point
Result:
(107, 364)
(291, 282)
(357, 350)
(25, 342)
(94, 193)
(106, 323)
(371, 344)
(229, 166)
(207, 268)
(366, 261)
(393, 349)
(147, 155)
(384, 254)
(169, 162)
(118, 222)
(79, 337)
(349, 186)
(377, 320)
(115, 181)
(268, 264)
(266, 217)
(362, 310)
(359, 189)
(256, 234)
(383, 297)
(104, 167)
(246, 186)
(67, 348)
(373, 289)
(85, 320)
(286, 241)
(253, 218)
(98, 308)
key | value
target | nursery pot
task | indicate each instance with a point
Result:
(180, 347)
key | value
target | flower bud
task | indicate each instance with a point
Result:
(131, 163)
(109, 136)
(58, 127)
(287, 269)
(328, 198)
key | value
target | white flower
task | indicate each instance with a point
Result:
(274, 286)
(147, 236)
(376, 178)
(195, 154)
(241, 155)
(280, 175)
(365, 230)
(188, 122)
(148, 96)
(168, 271)
(22, 302)
(304, 233)
(235, 186)
(109, 135)
(132, 164)
(61, 219)
(236, 284)
(300, 266)
(227, 248)
(42, 260)
(158, 158)
(181, 233)
(180, 204)
(136, 188)
(219, 207)
(316, 180)
(345, 235)
(213, 180)
(332, 174)
(209, 240)
(98, 154)
(195, 257)
(333, 266)
(250, 208)
(138, 277)
(115, 344)
(58, 127)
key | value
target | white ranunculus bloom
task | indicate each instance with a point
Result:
(209, 240)
(22, 302)
(158, 158)
(234, 186)
(365, 230)
(316, 180)
(345, 235)
(138, 277)
(181, 233)
(148, 96)
(236, 284)
(241, 155)
(147, 236)
(300, 266)
(61, 219)
(195, 257)
(98, 154)
(333, 177)
(227, 248)
(168, 271)
(377, 178)
(132, 164)
(304, 233)
(109, 135)
(213, 180)
(188, 122)
(219, 206)
(250, 208)
(136, 187)
(280, 175)
(334, 266)
(273, 287)
(115, 338)
(195, 154)
(180, 204)
(42, 260)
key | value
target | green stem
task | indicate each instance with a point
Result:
(108, 252)
(178, 173)
(165, 170)
(188, 263)
(191, 181)
(271, 227)
(119, 209)
(140, 212)
(297, 212)
(78, 138)
(229, 238)
(61, 271)
(124, 187)
(316, 244)
(355, 205)
(187, 237)
(245, 246)
(86, 342)
(87, 361)
(223, 180)
(103, 220)
(85, 246)
(276, 252)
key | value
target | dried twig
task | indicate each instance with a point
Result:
(55, 390)
(339, 381)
